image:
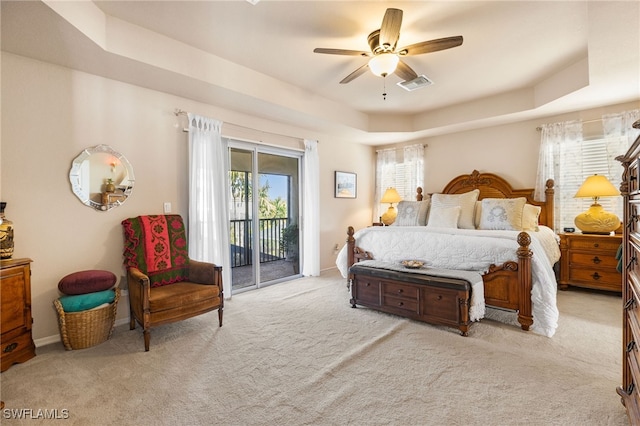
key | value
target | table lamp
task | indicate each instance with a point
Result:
(390, 196)
(596, 220)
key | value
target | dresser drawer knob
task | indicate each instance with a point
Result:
(632, 261)
(631, 387)
(596, 260)
(629, 303)
(10, 348)
(596, 276)
(400, 303)
(400, 291)
(631, 345)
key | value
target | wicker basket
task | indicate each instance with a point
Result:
(80, 330)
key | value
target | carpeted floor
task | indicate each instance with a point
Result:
(296, 353)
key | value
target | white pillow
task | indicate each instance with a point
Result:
(530, 217)
(412, 213)
(466, 202)
(444, 217)
(502, 213)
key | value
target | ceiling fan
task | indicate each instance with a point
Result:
(385, 58)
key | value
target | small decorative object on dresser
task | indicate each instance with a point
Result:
(15, 292)
(629, 391)
(6, 234)
(589, 260)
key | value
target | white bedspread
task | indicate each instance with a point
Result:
(470, 250)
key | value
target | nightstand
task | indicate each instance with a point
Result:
(589, 260)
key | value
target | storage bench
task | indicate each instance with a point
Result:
(419, 296)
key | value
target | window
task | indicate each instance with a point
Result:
(402, 169)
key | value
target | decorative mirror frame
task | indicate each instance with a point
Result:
(107, 201)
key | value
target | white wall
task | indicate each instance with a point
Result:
(50, 114)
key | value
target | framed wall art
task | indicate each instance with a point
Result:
(346, 185)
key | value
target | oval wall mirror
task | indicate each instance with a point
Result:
(101, 178)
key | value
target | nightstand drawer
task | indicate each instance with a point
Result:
(596, 277)
(598, 243)
(593, 260)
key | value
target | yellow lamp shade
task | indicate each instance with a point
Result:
(597, 186)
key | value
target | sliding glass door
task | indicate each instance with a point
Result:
(264, 185)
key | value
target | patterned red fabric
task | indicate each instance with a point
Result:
(157, 246)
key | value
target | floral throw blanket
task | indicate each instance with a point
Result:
(157, 246)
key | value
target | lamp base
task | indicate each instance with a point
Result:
(389, 216)
(597, 221)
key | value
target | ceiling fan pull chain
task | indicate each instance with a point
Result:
(384, 88)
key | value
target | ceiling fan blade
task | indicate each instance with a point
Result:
(342, 52)
(431, 46)
(405, 72)
(357, 73)
(390, 29)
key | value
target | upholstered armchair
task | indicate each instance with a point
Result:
(166, 286)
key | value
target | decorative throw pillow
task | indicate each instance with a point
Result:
(84, 282)
(502, 213)
(82, 302)
(466, 202)
(412, 213)
(444, 217)
(530, 217)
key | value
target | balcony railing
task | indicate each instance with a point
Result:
(241, 237)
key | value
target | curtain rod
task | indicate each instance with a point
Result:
(584, 122)
(424, 145)
(179, 111)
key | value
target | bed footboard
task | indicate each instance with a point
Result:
(506, 286)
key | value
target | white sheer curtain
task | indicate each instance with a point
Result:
(385, 177)
(208, 189)
(400, 168)
(619, 135)
(558, 159)
(311, 210)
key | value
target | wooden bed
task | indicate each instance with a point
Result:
(506, 286)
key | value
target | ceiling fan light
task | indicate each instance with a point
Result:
(384, 64)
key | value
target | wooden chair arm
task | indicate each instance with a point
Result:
(137, 276)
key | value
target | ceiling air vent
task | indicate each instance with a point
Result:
(416, 83)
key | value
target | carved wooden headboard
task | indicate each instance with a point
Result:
(493, 186)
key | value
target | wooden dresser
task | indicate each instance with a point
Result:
(630, 189)
(15, 294)
(589, 260)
